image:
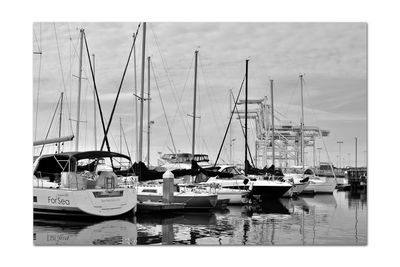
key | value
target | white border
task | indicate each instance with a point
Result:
(16, 114)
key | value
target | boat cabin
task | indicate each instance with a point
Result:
(81, 170)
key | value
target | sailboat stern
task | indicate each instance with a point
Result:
(269, 189)
(107, 203)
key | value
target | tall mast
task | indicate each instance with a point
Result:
(148, 111)
(136, 100)
(314, 164)
(94, 109)
(340, 154)
(273, 121)
(59, 127)
(230, 128)
(120, 135)
(142, 93)
(194, 101)
(78, 115)
(356, 156)
(302, 123)
(245, 119)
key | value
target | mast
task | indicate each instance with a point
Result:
(230, 128)
(340, 154)
(302, 124)
(136, 102)
(148, 111)
(314, 163)
(273, 121)
(78, 115)
(94, 109)
(120, 135)
(142, 93)
(59, 127)
(245, 119)
(356, 159)
(194, 101)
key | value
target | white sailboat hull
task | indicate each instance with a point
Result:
(327, 187)
(236, 197)
(89, 202)
(269, 189)
(193, 200)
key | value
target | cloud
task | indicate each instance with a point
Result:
(333, 56)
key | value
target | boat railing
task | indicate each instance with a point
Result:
(82, 181)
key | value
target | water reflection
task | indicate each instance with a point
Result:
(339, 219)
(168, 230)
(112, 232)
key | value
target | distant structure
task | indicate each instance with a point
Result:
(287, 137)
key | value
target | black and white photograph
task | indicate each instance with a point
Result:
(200, 133)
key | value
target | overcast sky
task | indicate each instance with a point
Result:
(333, 57)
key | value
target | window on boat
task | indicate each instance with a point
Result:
(99, 164)
(201, 158)
(149, 190)
(184, 158)
(50, 167)
(231, 170)
(294, 170)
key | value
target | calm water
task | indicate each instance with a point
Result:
(339, 219)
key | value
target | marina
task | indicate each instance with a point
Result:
(162, 175)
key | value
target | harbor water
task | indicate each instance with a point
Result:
(338, 219)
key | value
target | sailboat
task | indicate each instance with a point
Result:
(150, 191)
(82, 183)
(262, 187)
(243, 185)
(317, 184)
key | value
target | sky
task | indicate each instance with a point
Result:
(333, 57)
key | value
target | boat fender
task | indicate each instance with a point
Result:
(245, 181)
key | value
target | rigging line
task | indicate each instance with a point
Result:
(162, 105)
(51, 123)
(40, 36)
(180, 101)
(38, 92)
(126, 143)
(62, 75)
(183, 91)
(208, 95)
(119, 89)
(235, 109)
(229, 124)
(83, 69)
(85, 104)
(39, 72)
(186, 131)
(70, 66)
(72, 58)
(115, 143)
(37, 42)
(59, 57)
(97, 94)
(165, 66)
(280, 113)
(291, 95)
(197, 133)
(322, 138)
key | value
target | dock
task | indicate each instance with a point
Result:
(150, 206)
